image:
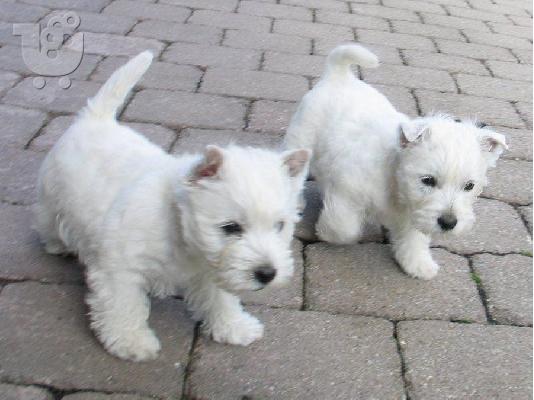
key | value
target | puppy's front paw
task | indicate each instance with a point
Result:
(422, 269)
(239, 331)
(138, 345)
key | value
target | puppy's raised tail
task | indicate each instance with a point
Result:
(342, 57)
(111, 96)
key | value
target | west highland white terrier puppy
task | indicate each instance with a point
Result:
(145, 222)
(416, 176)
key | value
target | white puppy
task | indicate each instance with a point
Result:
(146, 222)
(415, 176)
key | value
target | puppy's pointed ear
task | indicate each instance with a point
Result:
(493, 144)
(297, 161)
(210, 165)
(412, 132)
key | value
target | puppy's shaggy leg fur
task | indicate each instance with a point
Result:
(222, 314)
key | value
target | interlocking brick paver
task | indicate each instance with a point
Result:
(522, 21)
(14, 392)
(507, 284)
(495, 87)
(474, 50)
(365, 280)
(491, 361)
(221, 5)
(385, 54)
(7, 81)
(417, 28)
(415, 5)
(18, 175)
(524, 56)
(498, 229)
(319, 4)
(526, 213)
(314, 349)
(231, 20)
(454, 22)
(384, 12)
(256, 84)
(160, 75)
(19, 125)
(312, 30)
(148, 10)
(294, 63)
(22, 256)
(82, 5)
(271, 116)
(519, 143)
(216, 56)
(100, 23)
(104, 396)
(171, 31)
(17, 12)
(445, 62)
(414, 77)
(400, 97)
(352, 20)
(512, 71)
(195, 140)
(44, 332)
(490, 111)
(513, 30)
(497, 39)
(511, 8)
(274, 10)
(398, 40)
(267, 41)
(467, 13)
(117, 45)
(525, 110)
(510, 181)
(185, 109)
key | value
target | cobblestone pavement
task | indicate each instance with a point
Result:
(350, 325)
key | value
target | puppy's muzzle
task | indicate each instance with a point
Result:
(447, 222)
(264, 274)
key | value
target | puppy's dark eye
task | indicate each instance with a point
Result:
(469, 186)
(428, 181)
(232, 228)
(280, 226)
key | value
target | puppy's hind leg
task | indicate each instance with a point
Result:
(47, 225)
(340, 221)
(119, 310)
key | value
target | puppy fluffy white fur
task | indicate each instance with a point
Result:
(417, 176)
(145, 222)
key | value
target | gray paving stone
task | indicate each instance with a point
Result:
(510, 8)
(274, 10)
(519, 142)
(213, 56)
(384, 12)
(222, 5)
(18, 175)
(100, 23)
(22, 256)
(513, 30)
(494, 39)
(398, 40)
(117, 45)
(364, 279)
(195, 140)
(160, 75)
(52, 97)
(400, 97)
(44, 332)
(510, 181)
(288, 296)
(185, 109)
(303, 355)
(413, 77)
(385, 54)
(526, 213)
(519, 20)
(267, 41)
(491, 362)
(414, 5)
(157, 134)
(15, 392)
(416, 28)
(298, 64)
(525, 110)
(231, 20)
(524, 56)
(319, 4)
(271, 116)
(19, 125)
(490, 111)
(175, 32)
(255, 84)
(82, 5)
(495, 87)
(6, 34)
(352, 20)
(507, 284)
(17, 12)
(454, 22)
(7, 81)
(147, 10)
(512, 71)
(445, 62)
(477, 14)
(498, 229)
(103, 396)
(474, 50)
(312, 30)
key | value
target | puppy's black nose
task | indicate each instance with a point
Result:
(447, 222)
(265, 274)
